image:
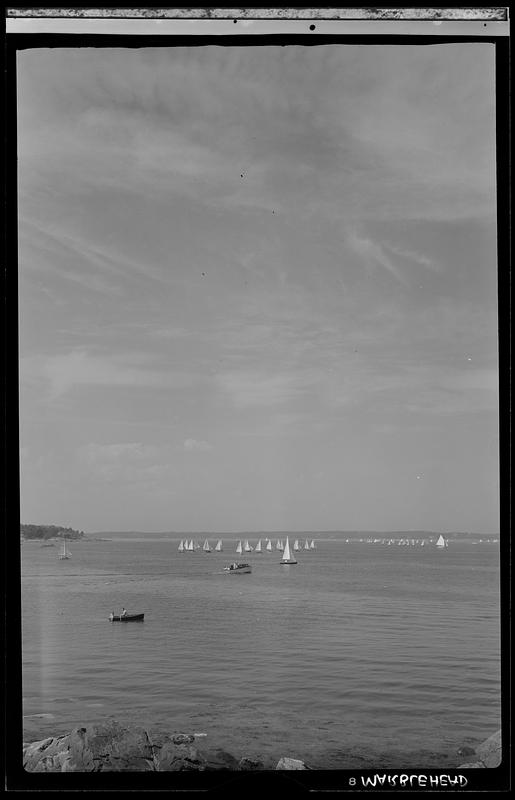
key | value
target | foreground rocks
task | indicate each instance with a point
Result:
(113, 747)
(486, 755)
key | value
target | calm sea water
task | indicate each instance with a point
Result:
(360, 655)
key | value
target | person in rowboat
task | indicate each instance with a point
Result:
(124, 612)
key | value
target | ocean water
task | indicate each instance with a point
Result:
(360, 655)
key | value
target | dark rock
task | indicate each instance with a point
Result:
(218, 759)
(183, 738)
(250, 764)
(178, 758)
(182, 756)
(466, 751)
(110, 747)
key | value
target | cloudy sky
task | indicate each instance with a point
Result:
(258, 288)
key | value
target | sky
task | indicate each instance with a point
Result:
(258, 288)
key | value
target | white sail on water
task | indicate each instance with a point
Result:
(296, 545)
(219, 545)
(306, 545)
(64, 554)
(239, 548)
(269, 544)
(247, 547)
(312, 545)
(206, 548)
(279, 545)
(181, 547)
(287, 556)
(258, 547)
(440, 542)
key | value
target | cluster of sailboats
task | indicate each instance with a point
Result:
(189, 546)
(266, 546)
(403, 542)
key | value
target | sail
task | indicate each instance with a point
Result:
(440, 542)
(258, 547)
(306, 545)
(296, 545)
(181, 547)
(287, 557)
(279, 545)
(64, 552)
(206, 548)
(239, 548)
(191, 545)
(247, 547)
(269, 544)
(218, 545)
(312, 545)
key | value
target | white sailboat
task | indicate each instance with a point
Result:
(181, 547)
(191, 546)
(269, 545)
(287, 556)
(239, 548)
(296, 545)
(64, 553)
(279, 545)
(206, 548)
(440, 542)
(312, 545)
(219, 546)
(306, 545)
(247, 547)
(258, 547)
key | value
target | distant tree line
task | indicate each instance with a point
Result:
(49, 532)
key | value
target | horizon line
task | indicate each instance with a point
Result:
(299, 532)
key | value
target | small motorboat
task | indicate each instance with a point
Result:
(126, 617)
(235, 568)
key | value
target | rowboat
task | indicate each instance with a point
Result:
(126, 617)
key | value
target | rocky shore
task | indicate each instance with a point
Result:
(113, 747)
(488, 754)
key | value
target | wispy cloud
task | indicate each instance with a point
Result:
(110, 260)
(62, 373)
(373, 253)
(413, 255)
